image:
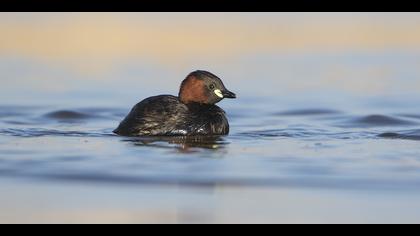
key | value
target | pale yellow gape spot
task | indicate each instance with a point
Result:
(218, 93)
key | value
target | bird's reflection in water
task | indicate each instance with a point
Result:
(184, 144)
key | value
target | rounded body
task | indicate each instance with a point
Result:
(166, 115)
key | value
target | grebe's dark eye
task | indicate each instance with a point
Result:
(212, 86)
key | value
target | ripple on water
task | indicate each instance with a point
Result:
(305, 133)
(38, 132)
(307, 112)
(210, 181)
(68, 115)
(410, 135)
(83, 114)
(376, 121)
(271, 133)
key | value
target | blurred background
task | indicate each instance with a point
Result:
(294, 55)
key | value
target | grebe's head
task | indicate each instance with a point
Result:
(203, 87)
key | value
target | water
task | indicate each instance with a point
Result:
(316, 136)
(295, 148)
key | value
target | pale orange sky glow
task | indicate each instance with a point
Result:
(161, 36)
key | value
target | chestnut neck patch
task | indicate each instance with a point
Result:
(193, 90)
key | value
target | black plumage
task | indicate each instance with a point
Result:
(165, 115)
(192, 113)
